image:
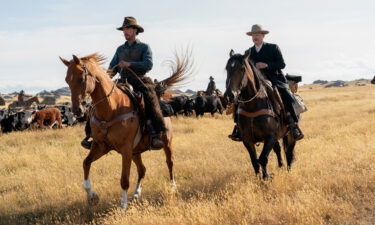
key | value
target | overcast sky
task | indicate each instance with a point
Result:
(319, 39)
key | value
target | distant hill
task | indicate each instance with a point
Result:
(338, 83)
(189, 91)
(65, 91)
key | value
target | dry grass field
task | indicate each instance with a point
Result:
(331, 182)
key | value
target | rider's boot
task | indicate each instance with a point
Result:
(155, 137)
(235, 136)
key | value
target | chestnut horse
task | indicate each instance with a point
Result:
(115, 123)
(257, 121)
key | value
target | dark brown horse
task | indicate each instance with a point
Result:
(373, 80)
(257, 121)
(115, 123)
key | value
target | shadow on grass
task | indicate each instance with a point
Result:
(81, 213)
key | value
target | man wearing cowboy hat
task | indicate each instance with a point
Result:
(268, 59)
(137, 56)
(211, 86)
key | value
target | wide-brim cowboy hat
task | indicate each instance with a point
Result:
(257, 29)
(130, 21)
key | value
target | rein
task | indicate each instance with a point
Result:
(249, 75)
(88, 73)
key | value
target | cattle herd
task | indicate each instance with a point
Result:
(19, 119)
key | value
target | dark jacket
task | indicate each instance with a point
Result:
(271, 55)
(211, 88)
(138, 54)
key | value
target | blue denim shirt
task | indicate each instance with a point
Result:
(138, 54)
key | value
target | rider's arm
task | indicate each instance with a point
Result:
(146, 62)
(115, 60)
(278, 62)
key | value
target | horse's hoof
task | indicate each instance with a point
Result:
(173, 184)
(92, 198)
(267, 177)
(123, 206)
(135, 197)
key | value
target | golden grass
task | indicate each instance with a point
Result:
(332, 181)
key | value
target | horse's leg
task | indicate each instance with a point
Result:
(169, 158)
(277, 150)
(95, 153)
(253, 154)
(269, 143)
(289, 144)
(126, 153)
(137, 159)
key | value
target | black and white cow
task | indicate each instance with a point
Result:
(16, 121)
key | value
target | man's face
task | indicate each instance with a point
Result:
(258, 39)
(130, 33)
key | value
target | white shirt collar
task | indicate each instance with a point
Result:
(258, 48)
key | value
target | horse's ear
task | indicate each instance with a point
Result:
(76, 60)
(231, 53)
(66, 62)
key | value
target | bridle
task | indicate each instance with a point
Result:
(247, 71)
(87, 74)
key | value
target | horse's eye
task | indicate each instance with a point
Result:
(233, 64)
(81, 80)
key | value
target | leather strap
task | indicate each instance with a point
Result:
(260, 112)
(104, 125)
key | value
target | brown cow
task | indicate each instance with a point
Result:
(47, 117)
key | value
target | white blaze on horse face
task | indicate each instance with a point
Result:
(124, 200)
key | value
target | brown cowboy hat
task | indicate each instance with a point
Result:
(130, 21)
(257, 29)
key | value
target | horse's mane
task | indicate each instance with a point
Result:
(95, 57)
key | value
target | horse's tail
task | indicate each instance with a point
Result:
(182, 68)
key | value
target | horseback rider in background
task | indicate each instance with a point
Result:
(211, 88)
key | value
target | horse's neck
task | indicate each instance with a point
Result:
(106, 97)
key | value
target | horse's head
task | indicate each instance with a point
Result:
(81, 82)
(236, 79)
(373, 80)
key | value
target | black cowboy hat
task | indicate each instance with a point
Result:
(130, 21)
